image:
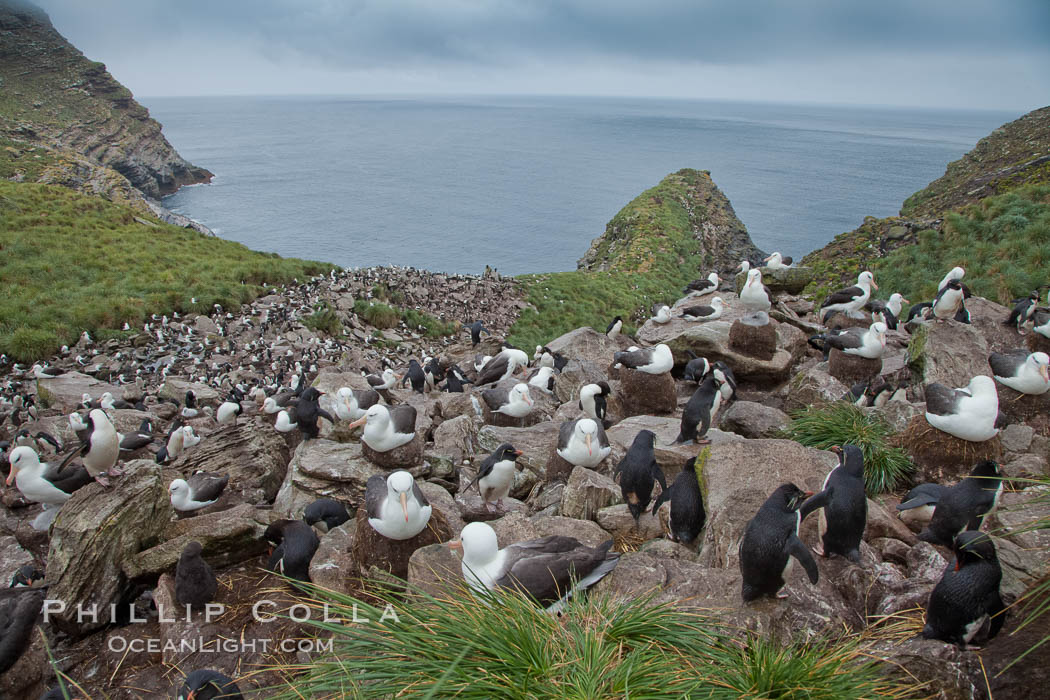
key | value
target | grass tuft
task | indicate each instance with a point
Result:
(453, 644)
(324, 319)
(842, 423)
(384, 316)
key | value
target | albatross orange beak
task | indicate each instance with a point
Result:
(404, 505)
(873, 285)
(11, 474)
(588, 441)
(455, 545)
(359, 421)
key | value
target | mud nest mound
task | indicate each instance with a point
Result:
(941, 457)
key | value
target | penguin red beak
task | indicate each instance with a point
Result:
(807, 494)
(518, 453)
(836, 449)
(957, 563)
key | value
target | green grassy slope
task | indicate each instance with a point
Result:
(651, 250)
(70, 263)
(1003, 243)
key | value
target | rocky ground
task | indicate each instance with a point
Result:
(119, 545)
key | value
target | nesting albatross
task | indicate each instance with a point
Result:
(549, 570)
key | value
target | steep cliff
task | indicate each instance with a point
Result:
(53, 98)
(1011, 158)
(684, 218)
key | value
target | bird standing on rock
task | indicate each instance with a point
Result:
(637, 472)
(396, 507)
(387, 428)
(308, 410)
(295, 544)
(592, 400)
(851, 299)
(755, 296)
(844, 506)
(965, 505)
(100, 450)
(496, 475)
(965, 607)
(969, 414)
(583, 443)
(770, 540)
(655, 360)
(680, 509)
(200, 490)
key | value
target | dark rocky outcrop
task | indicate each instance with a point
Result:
(51, 80)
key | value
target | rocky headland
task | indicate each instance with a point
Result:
(118, 546)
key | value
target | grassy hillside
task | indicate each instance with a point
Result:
(1012, 156)
(70, 263)
(1003, 243)
(665, 237)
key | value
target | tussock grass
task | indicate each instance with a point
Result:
(503, 646)
(324, 319)
(384, 316)
(70, 263)
(842, 423)
(1002, 242)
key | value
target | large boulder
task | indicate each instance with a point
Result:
(574, 375)
(537, 443)
(812, 385)
(175, 388)
(751, 419)
(586, 531)
(434, 569)
(228, 537)
(987, 318)
(647, 394)
(669, 456)
(66, 391)
(332, 566)
(253, 455)
(585, 344)
(618, 521)
(456, 437)
(952, 353)
(95, 533)
(739, 476)
(324, 469)
(587, 492)
(711, 340)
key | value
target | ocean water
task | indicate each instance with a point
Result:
(524, 183)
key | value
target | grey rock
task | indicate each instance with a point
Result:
(95, 533)
(176, 388)
(813, 385)
(228, 537)
(324, 469)
(253, 455)
(617, 521)
(585, 531)
(65, 391)
(753, 420)
(587, 492)
(1017, 437)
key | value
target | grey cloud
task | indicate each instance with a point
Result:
(371, 33)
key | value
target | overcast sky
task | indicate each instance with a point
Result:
(957, 53)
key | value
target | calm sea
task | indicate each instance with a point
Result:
(524, 183)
